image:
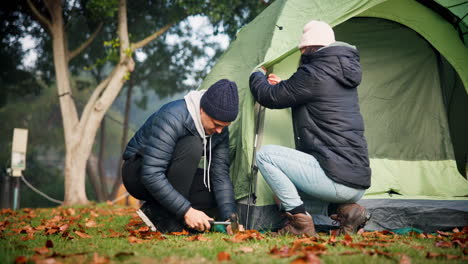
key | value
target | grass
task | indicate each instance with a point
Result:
(110, 234)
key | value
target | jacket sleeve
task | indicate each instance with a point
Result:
(297, 90)
(221, 182)
(156, 158)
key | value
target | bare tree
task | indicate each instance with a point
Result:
(80, 130)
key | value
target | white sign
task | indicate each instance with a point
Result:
(19, 146)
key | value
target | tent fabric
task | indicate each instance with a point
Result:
(457, 10)
(388, 213)
(413, 95)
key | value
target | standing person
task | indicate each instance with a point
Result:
(162, 158)
(330, 167)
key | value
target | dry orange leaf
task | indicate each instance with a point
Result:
(282, 252)
(41, 250)
(245, 235)
(224, 256)
(135, 240)
(91, 223)
(82, 234)
(198, 238)
(309, 258)
(21, 260)
(184, 232)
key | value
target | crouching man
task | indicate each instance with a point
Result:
(161, 161)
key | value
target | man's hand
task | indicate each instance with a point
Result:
(197, 219)
(229, 229)
(273, 79)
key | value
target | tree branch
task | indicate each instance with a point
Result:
(93, 98)
(85, 44)
(46, 23)
(145, 41)
(123, 29)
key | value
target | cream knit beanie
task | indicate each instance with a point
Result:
(316, 33)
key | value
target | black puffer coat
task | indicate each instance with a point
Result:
(326, 117)
(156, 141)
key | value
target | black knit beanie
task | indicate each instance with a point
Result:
(221, 101)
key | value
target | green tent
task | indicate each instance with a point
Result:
(413, 98)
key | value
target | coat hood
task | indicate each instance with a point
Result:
(338, 60)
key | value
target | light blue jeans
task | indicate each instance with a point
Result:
(296, 178)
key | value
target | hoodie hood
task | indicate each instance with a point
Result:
(192, 100)
(339, 60)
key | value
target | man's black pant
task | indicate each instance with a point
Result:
(185, 177)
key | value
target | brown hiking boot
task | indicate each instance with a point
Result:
(351, 217)
(298, 224)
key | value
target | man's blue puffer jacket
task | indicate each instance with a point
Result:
(156, 141)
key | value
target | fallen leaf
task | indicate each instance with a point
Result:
(305, 240)
(347, 239)
(465, 229)
(49, 244)
(144, 229)
(55, 219)
(71, 211)
(114, 234)
(224, 256)
(184, 232)
(63, 228)
(315, 249)
(245, 235)
(82, 234)
(444, 244)
(282, 252)
(41, 250)
(91, 223)
(431, 255)
(21, 260)
(309, 258)
(450, 257)
(418, 247)
(198, 238)
(332, 239)
(135, 240)
(443, 233)
(29, 236)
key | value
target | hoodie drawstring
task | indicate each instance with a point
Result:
(205, 169)
(209, 165)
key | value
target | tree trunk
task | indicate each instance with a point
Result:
(75, 168)
(75, 165)
(93, 175)
(123, 143)
(102, 148)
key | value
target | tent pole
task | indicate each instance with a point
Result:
(260, 113)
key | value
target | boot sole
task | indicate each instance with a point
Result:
(146, 220)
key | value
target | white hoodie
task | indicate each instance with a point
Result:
(192, 100)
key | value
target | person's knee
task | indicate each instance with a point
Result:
(263, 155)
